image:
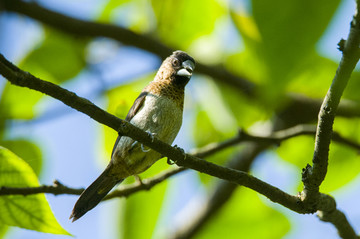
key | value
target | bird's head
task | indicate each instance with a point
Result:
(177, 68)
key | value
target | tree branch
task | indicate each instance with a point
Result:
(56, 189)
(203, 152)
(300, 110)
(313, 176)
(25, 79)
(124, 35)
(222, 192)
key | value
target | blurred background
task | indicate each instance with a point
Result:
(287, 53)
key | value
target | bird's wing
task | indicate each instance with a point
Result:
(136, 106)
(138, 103)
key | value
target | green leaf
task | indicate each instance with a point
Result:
(58, 58)
(246, 111)
(344, 162)
(3, 230)
(245, 216)
(14, 107)
(109, 8)
(288, 36)
(135, 15)
(31, 212)
(214, 122)
(26, 150)
(179, 22)
(352, 89)
(313, 76)
(142, 210)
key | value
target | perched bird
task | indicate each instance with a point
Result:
(158, 111)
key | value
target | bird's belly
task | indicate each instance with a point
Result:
(159, 116)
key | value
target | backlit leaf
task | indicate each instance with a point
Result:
(26, 150)
(179, 22)
(245, 216)
(31, 212)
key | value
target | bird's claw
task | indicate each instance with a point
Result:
(170, 161)
(143, 149)
(152, 136)
(181, 149)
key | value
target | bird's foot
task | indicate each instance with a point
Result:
(152, 136)
(170, 161)
(143, 149)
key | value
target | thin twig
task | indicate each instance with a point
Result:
(56, 189)
(203, 152)
(314, 175)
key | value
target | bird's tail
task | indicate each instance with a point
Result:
(93, 194)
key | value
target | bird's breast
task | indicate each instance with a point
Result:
(159, 115)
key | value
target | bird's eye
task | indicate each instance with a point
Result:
(176, 62)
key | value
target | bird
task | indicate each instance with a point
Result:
(158, 110)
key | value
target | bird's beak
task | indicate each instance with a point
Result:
(187, 69)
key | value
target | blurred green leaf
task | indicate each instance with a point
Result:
(136, 15)
(214, 122)
(247, 112)
(31, 212)
(14, 107)
(142, 211)
(57, 59)
(205, 133)
(179, 23)
(313, 77)
(3, 230)
(247, 65)
(288, 36)
(352, 90)
(344, 165)
(344, 162)
(245, 216)
(26, 150)
(109, 8)
(60, 56)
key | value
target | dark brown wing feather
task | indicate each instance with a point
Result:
(136, 106)
(138, 103)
